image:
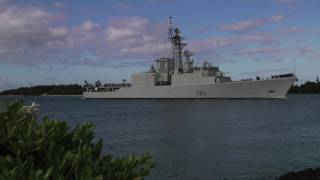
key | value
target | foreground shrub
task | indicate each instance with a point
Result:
(52, 150)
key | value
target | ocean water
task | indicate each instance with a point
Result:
(202, 139)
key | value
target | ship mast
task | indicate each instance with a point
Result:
(170, 35)
(177, 46)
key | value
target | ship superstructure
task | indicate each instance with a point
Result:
(177, 77)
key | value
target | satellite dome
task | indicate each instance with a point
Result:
(188, 53)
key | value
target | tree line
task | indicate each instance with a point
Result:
(308, 87)
(75, 89)
(71, 89)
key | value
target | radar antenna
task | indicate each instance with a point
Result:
(187, 54)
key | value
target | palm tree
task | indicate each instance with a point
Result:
(98, 84)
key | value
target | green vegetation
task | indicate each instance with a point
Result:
(51, 149)
(73, 89)
(308, 87)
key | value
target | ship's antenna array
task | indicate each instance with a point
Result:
(294, 66)
(170, 28)
(177, 46)
(170, 37)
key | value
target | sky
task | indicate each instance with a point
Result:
(64, 42)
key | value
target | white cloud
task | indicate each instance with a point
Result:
(114, 34)
(211, 44)
(59, 31)
(277, 18)
(289, 30)
(122, 28)
(26, 27)
(248, 25)
(242, 26)
(34, 35)
(88, 26)
(270, 51)
(136, 37)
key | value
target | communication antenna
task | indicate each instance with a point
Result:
(170, 28)
(294, 66)
(176, 47)
(170, 37)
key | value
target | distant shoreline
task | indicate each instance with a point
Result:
(47, 90)
(18, 95)
(59, 95)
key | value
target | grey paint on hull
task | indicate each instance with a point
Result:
(272, 88)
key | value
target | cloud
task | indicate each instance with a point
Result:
(136, 37)
(3, 80)
(201, 30)
(87, 34)
(24, 28)
(308, 52)
(115, 34)
(242, 26)
(279, 52)
(289, 30)
(122, 28)
(305, 50)
(249, 25)
(277, 18)
(4, 1)
(271, 51)
(58, 5)
(233, 41)
(123, 6)
(157, 1)
(286, 2)
(32, 35)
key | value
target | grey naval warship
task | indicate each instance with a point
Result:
(177, 77)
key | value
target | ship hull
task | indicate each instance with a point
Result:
(272, 88)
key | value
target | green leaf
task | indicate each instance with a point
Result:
(50, 149)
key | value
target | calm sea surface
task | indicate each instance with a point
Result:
(202, 139)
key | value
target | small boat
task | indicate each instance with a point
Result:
(34, 108)
(33, 105)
